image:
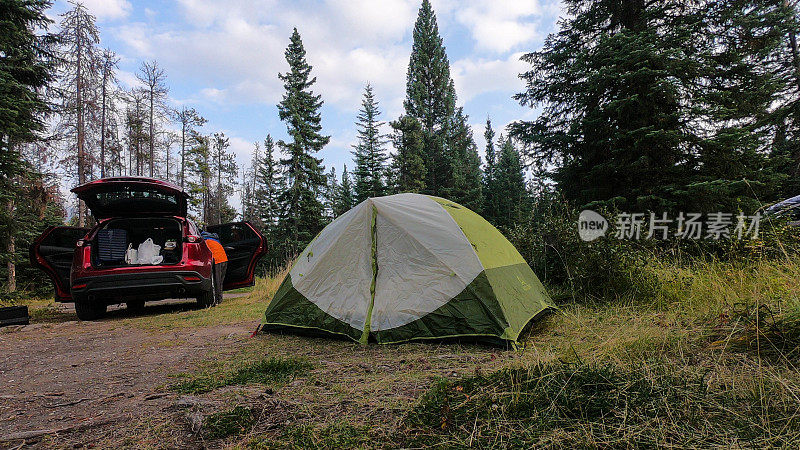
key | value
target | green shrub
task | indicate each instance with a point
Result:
(610, 268)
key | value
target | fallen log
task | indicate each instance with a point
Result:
(25, 435)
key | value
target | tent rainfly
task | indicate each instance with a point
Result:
(407, 267)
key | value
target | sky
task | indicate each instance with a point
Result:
(223, 57)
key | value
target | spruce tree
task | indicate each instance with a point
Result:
(408, 163)
(489, 208)
(430, 98)
(467, 179)
(266, 188)
(198, 177)
(369, 152)
(27, 66)
(224, 170)
(511, 195)
(346, 196)
(301, 216)
(656, 105)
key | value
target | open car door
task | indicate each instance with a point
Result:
(244, 246)
(52, 252)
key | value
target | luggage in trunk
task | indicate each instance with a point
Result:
(113, 239)
(112, 244)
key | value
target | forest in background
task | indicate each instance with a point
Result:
(645, 106)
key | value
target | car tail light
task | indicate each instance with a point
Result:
(191, 278)
(87, 257)
(192, 238)
(79, 286)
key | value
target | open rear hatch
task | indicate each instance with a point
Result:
(132, 197)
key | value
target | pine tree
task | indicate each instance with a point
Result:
(136, 136)
(26, 68)
(511, 195)
(657, 105)
(430, 98)
(198, 177)
(189, 118)
(224, 170)
(370, 156)
(267, 188)
(408, 163)
(108, 83)
(346, 196)
(301, 215)
(467, 174)
(489, 206)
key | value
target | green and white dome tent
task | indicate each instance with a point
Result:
(406, 267)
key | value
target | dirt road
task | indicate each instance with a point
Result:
(69, 384)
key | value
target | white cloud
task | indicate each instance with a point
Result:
(474, 77)
(108, 9)
(501, 25)
(237, 49)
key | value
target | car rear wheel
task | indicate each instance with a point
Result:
(209, 298)
(89, 309)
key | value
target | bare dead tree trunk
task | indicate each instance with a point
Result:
(80, 126)
(183, 150)
(152, 134)
(103, 129)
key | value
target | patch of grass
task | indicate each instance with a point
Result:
(577, 405)
(226, 423)
(307, 436)
(265, 371)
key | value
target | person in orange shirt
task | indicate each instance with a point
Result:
(220, 260)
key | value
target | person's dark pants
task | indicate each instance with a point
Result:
(221, 268)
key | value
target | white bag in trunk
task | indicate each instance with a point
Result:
(148, 253)
(131, 255)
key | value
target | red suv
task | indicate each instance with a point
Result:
(89, 266)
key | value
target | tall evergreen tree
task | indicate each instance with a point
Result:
(512, 197)
(408, 163)
(188, 118)
(267, 187)
(224, 170)
(370, 155)
(108, 82)
(430, 98)
(656, 105)
(198, 177)
(345, 199)
(489, 189)
(466, 185)
(26, 68)
(301, 215)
